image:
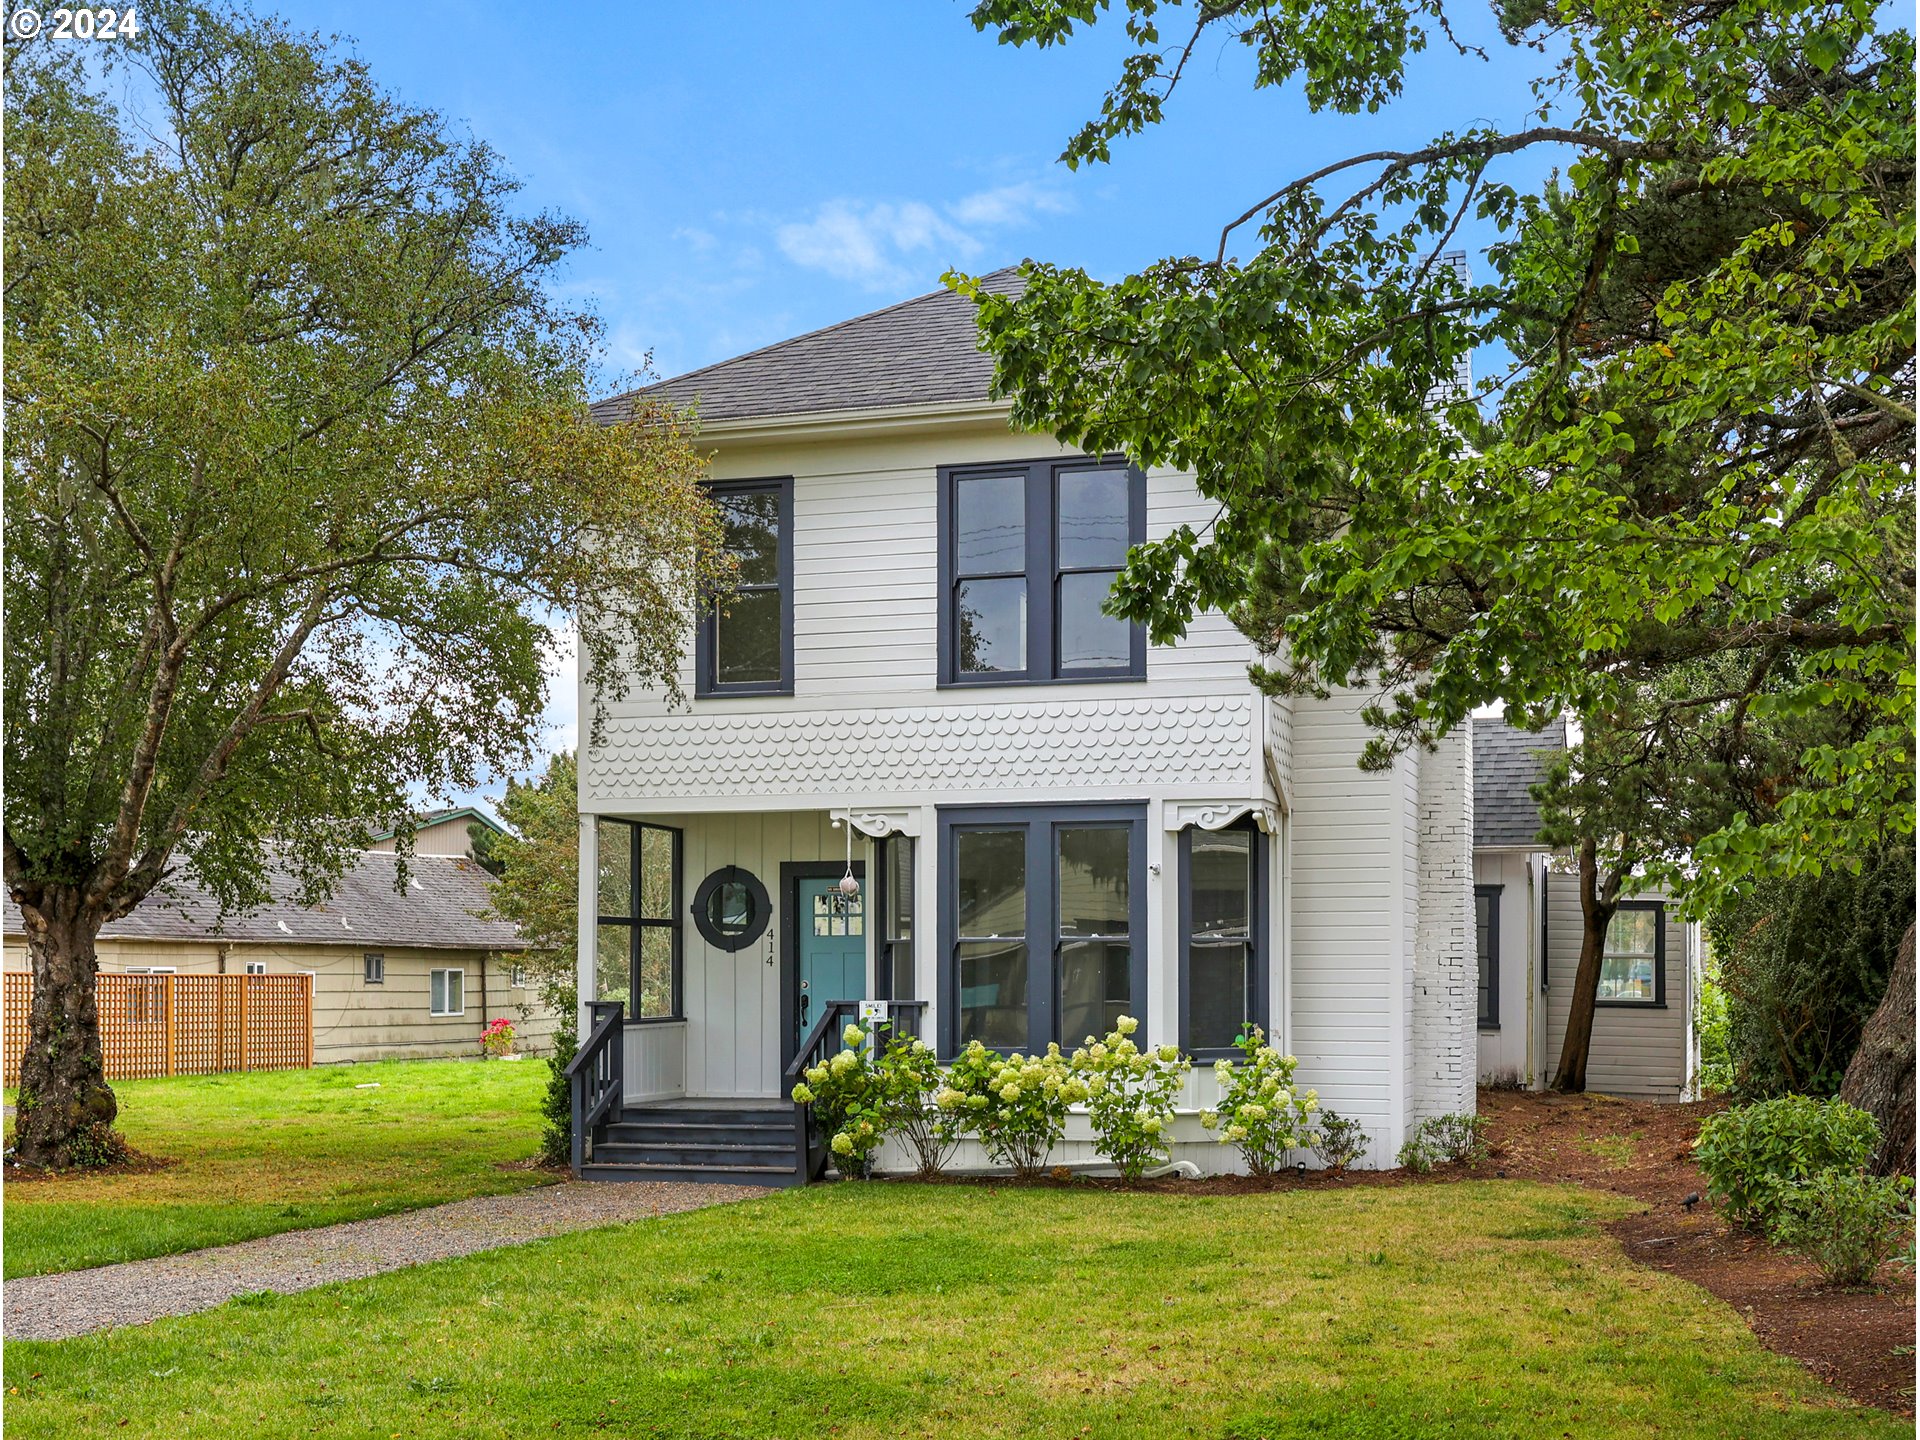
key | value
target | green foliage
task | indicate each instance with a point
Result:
(1803, 963)
(1712, 1025)
(1130, 1097)
(1260, 1112)
(1443, 1139)
(556, 1100)
(1339, 1141)
(300, 472)
(910, 1081)
(1016, 1104)
(1753, 1154)
(1701, 449)
(846, 1094)
(1846, 1222)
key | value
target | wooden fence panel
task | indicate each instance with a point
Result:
(181, 1024)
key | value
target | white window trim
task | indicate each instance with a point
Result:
(447, 970)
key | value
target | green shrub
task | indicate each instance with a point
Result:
(1804, 962)
(1713, 1026)
(845, 1096)
(556, 1106)
(910, 1083)
(1017, 1104)
(1846, 1222)
(1418, 1152)
(1750, 1153)
(1260, 1111)
(1130, 1095)
(1461, 1139)
(1338, 1141)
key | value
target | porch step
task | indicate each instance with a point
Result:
(773, 1177)
(749, 1144)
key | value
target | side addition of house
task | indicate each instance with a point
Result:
(1052, 823)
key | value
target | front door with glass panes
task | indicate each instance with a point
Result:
(833, 949)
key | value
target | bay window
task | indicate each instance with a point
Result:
(1223, 953)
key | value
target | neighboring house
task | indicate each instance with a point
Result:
(407, 974)
(1055, 823)
(444, 832)
(1527, 902)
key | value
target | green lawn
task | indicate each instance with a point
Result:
(1486, 1308)
(265, 1152)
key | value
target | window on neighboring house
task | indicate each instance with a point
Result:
(256, 967)
(518, 977)
(1223, 934)
(373, 967)
(894, 876)
(1041, 910)
(1028, 555)
(448, 992)
(1633, 969)
(744, 645)
(1486, 933)
(638, 949)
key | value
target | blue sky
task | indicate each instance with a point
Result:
(749, 171)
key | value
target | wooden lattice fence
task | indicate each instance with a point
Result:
(181, 1024)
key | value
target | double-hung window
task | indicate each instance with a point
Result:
(637, 954)
(1028, 555)
(895, 906)
(1043, 919)
(1633, 968)
(744, 644)
(1486, 932)
(447, 993)
(1223, 960)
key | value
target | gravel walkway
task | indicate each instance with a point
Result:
(79, 1302)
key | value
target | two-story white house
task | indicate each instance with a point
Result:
(1053, 823)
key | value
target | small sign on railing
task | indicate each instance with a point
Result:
(873, 1012)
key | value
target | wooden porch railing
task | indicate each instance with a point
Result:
(180, 1024)
(597, 1077)
(903, 1020)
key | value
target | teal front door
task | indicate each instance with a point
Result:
(833, 948)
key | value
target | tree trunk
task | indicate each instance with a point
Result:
(1879, 1079)
(66, 1109)
(1597, 904)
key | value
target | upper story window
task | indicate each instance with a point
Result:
(1028, 554)
(744, 645)
(1633, 968)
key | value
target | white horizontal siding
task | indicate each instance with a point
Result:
(1634, 1051)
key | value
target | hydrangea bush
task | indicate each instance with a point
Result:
(1260, 1111)
(846, 1096)
(911, 1084)
(1130, 1097)
(1016, 1104)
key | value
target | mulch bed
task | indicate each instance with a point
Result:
(1861, 1343)
(135, 1163)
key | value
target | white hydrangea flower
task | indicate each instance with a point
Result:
(1126, 1025)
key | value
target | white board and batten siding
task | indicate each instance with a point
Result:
(1635, 1051)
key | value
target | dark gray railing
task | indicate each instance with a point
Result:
(597, 1077)
(903, 1017)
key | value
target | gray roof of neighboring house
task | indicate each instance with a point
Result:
(436, 911)
(1506, 760)
(920, 352)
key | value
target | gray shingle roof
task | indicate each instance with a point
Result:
(920, 352)
(437, 910)
(1506, 761)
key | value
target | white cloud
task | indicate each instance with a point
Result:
(879, 243)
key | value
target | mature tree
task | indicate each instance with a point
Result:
(538, 891)
(1699, 443)
(297, 469)
(1880, 1078)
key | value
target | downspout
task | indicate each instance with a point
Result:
(484, 1016)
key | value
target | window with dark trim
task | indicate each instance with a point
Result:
(1043, 924)
(744, 642)
(894, 904)
(1028, 555)
(637, 942)
(1633, 967)
(373, 967)
(1223, 929)
(1486, 933)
